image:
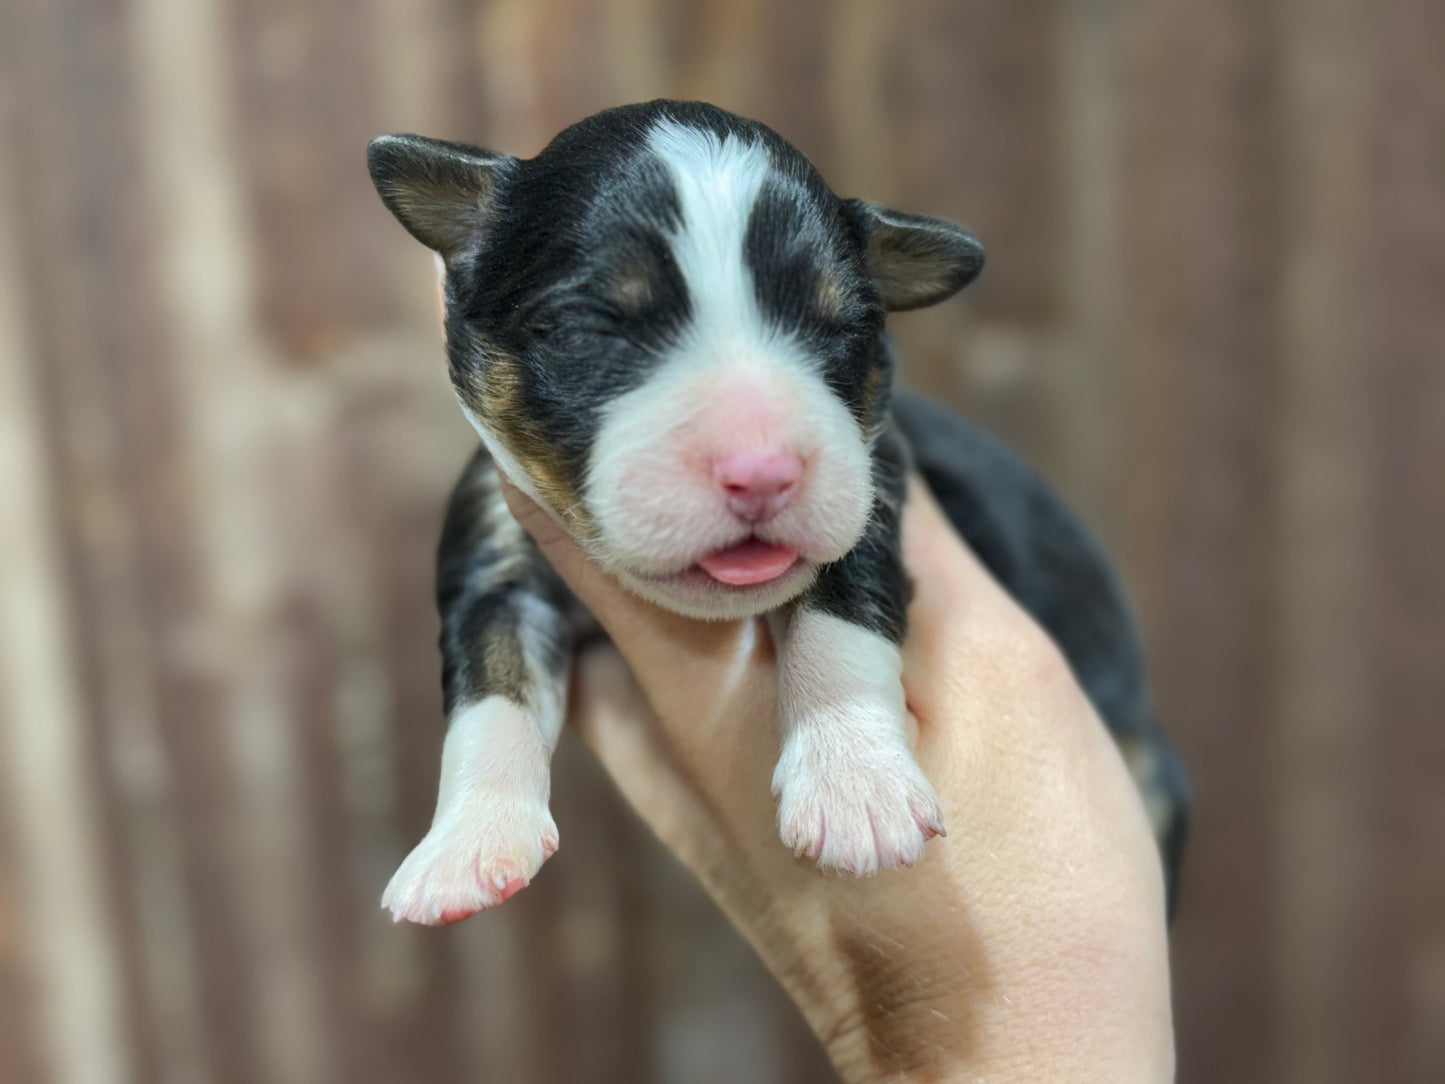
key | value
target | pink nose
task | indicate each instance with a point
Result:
(758, 484)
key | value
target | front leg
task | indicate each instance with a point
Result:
(850, 795)
(506, 652)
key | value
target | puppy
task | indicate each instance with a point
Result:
(669, 332)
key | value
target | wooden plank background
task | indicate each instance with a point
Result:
(1214, 314)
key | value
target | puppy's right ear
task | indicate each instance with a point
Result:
(443, 193)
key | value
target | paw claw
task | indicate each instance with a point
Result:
(446, 918)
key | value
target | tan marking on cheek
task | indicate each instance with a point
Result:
(496, 397)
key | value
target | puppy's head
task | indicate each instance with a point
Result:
(668, 331)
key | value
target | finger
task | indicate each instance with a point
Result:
(565, 555)
(964, 630)
(697, 794)
(610, 712)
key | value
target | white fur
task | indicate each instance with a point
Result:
(733, 382)
(850, 794)
(717, 183)
(492, 828)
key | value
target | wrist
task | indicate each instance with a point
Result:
(1068, 1001)
(891, 995)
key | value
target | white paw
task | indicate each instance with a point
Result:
(854, 808)
(483, 849)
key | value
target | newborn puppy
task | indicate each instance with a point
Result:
(668, 332)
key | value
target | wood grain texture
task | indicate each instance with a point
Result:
(1212, 315)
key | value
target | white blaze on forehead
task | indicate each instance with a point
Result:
(731, 380)
(717, 179)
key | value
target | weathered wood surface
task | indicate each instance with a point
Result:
(1213, 315)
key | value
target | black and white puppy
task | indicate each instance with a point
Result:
(668, 331)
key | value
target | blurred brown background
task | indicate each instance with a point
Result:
(1214, 315)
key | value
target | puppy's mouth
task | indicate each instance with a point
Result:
(751, 561)
(740, 580)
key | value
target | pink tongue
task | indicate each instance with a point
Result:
(749, 562)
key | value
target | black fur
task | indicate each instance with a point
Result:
(869, 586)
(488, 584)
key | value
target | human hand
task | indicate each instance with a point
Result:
(1029, 944)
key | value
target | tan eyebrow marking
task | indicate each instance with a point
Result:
(630, 287)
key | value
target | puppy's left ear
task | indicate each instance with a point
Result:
(916, 260)
(444, 193)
